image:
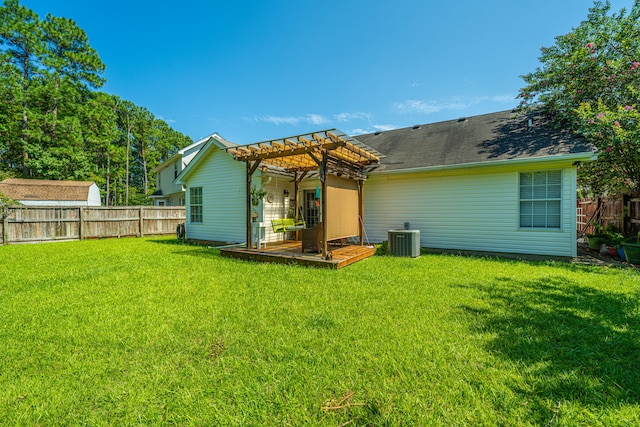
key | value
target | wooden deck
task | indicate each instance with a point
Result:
(290, 252)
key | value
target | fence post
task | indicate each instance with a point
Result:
(5, 226)
(80, 223)
(141, 222)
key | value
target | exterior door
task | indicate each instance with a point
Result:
(311, 208)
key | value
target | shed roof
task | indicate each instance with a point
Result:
(477, 139)
(39, 189)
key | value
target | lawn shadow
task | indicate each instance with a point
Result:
(198, 250)
(573, 343)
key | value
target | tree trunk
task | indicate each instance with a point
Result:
(145, 174)
(25, 117)
(126, 201)
(106, 198)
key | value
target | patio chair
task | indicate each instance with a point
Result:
(312, 238)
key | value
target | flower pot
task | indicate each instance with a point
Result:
(612, 251)
(595, 242)
(621, 253)
(632, 252)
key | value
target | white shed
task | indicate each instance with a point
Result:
(39, 192)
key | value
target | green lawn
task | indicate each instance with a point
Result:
(152, 332)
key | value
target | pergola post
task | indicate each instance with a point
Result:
(248, 204)
(361, 211)
(296, 188)
(251, 168)
(323, 200)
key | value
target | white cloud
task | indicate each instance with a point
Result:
(167, 121)
(507, 98)
(361, 116)
(371, 129)
(358, 131)
(412, 106)
(385, 127)
(345, 117)
(279, 120)
(314, 119)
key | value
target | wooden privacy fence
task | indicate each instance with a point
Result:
(622, 212)
(30, 224)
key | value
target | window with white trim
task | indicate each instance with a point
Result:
(195, 204)
(540, 199)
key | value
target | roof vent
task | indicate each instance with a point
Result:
(462, 119)
(377, 133)
(416, 127)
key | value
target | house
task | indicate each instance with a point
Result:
(215, 193)
(168, 193)
(38, 192)
(489, 183)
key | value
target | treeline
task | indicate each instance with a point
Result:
(56, 124)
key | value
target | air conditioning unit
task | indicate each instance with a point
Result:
(404, 243)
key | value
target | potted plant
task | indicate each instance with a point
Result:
(632, 250)
(257, 194)
(597, 239)
(614, 243)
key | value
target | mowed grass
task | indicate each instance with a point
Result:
(153, 332)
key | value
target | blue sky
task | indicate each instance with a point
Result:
(258, 70)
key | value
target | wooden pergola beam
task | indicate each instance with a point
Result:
(272, 154)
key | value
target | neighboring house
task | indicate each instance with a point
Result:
(489, 183)
(215, 194)
(168, 193)
(38, 192)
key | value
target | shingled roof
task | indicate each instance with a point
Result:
(472, 140)
(38, 189)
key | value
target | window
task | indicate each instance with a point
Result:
(195, 203)
(540, 199)
(175, 170)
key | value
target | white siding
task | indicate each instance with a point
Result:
(470, 211)
(167, 177)
(188, 155)
(223, 198)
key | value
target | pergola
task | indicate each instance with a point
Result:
(329, 152)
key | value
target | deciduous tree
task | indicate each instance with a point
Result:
(589, 82)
